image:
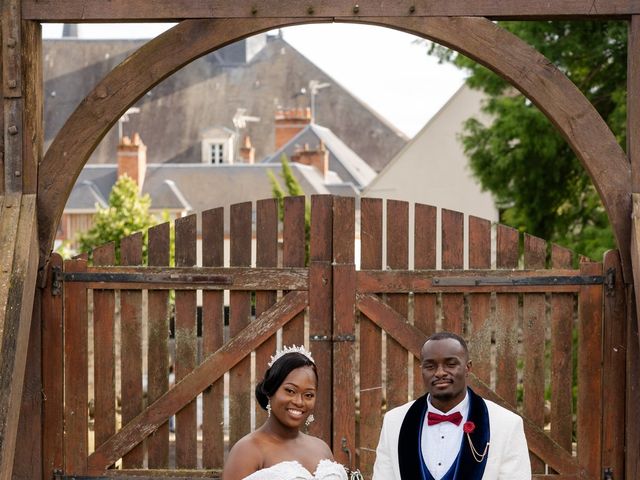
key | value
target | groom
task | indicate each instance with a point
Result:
(450, 433)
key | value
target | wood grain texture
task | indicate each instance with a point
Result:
(293, 255)
(239, 317)
(590, 375)
(507, 315)
(33, 118)
(452, 257)
(321, 311)
(52, 375)
(344, 289)
(370, 341)
(212, 340)
(102, 108)
(166, 10)
(131, 347)
(632, 435)
(480, 303)
(533, 340)
(614, 358)
(186, 344)
(158, 338)
(397, 235)
(633, 101)
(562, 326)
(76, 415)
(104, 351)
(210, 370)
(16, 310)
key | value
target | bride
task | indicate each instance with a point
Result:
(278, 450)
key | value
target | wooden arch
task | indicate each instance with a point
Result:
(478, 38)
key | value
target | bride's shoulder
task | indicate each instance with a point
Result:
(318, 445)
(246, 451)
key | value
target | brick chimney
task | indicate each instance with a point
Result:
(318, 158)
(247, 152)
(289, 123)
(132, 159)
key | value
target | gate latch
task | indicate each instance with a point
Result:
(56, 281)
(607, 474)
(610, 283)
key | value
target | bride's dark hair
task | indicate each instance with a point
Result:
(275, 375)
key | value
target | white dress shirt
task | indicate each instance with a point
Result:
(441, 443)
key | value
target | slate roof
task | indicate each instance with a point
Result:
(348, 166)
(206, 93)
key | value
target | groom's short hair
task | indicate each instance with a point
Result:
(444, 335)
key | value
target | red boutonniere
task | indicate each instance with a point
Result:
(468, 428)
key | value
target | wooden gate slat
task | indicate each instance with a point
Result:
(590, 373)
(507, 317)
(562, 320)
(104, 351)
(293, 255)
(240, 312)
(614, 382)
(210, 370)
(480, 303)
(52, 375)
(424, 257)
(344, 288)
(321, 311)
(131, 346)
(452, 257)
(370, 340)
(185, 340)
(397, 258)
(76, 416)
(212, 340)
(158, 353)
(533, 340)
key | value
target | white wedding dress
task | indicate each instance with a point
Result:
(292, 470)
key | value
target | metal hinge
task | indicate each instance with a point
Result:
(607, 474)
(610, 281)
(56, 281)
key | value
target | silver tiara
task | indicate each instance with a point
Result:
(291, 349)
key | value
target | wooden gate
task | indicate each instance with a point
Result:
(149, 367)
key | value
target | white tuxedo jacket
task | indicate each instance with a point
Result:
(508, 456)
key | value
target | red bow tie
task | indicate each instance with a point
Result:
(435, 418)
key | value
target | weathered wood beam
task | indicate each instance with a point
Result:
(19, 265)
(108, 101)
(633, 101)
(176, 10)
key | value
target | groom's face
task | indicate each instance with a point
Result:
(445, 366)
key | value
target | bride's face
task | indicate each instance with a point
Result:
(295, 399)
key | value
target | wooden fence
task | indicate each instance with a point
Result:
(149, 368)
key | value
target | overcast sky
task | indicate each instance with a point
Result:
(382, 67)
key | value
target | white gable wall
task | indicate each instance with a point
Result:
(433, 169)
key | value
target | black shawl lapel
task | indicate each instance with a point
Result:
(409, 453)
(468, 468)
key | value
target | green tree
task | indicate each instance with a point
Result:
(127, 213)
(293, 189)
(538, 182)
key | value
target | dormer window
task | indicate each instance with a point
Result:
(217, 153)
(217, 146)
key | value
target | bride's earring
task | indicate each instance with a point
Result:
(309, 420)
(269, 408)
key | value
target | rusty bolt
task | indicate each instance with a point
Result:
(13, 130)
(13, 84)
(254, 10)
(356, 8)
(310, 10)
(412, 9)
(11, 42)
(17, 173)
